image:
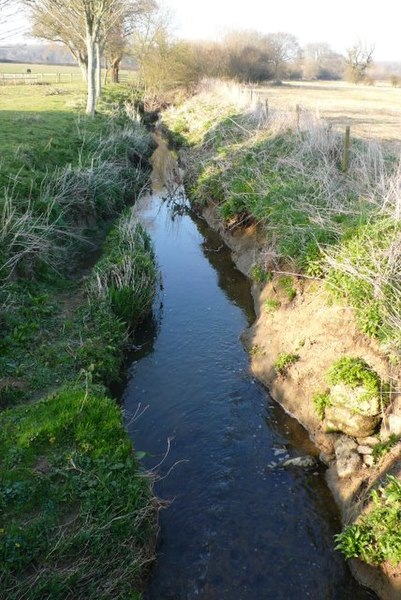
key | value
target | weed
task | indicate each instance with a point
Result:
(382, 448)
(260, 275)
(356, 372)
(272, 305)
(285, 282)
(284, 361)
(321, 400)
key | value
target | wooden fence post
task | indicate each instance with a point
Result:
(298, 109)
(346, 149)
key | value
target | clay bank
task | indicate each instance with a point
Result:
(319, 257)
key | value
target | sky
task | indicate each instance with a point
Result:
(341, 23)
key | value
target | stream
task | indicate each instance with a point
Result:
(237, 526)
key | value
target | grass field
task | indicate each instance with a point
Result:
(63, 178)
(372, 111)
(54, 73)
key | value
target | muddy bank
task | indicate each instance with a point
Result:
(319, 332)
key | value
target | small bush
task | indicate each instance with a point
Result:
(260, 275)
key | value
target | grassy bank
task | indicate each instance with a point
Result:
(78, 513)
(282, 173)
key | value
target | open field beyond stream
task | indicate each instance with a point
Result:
(91, 297)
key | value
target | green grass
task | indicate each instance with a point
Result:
(56, 329)
(382, 448)
(78, 516)
(77, 513)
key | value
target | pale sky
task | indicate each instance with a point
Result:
(340, 23)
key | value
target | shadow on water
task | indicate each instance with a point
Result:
(238, 527)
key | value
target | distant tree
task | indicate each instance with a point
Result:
(320, 62)
(358, 59)
(247, 55)
(283, 49)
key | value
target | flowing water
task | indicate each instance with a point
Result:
(237, 526)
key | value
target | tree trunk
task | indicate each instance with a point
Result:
(91, 98)
(98, 71)
(115, 66)
(84, 70)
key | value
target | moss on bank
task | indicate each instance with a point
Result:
(77, 514)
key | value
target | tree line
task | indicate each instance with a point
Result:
(100, 33)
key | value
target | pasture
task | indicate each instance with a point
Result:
(371, 111)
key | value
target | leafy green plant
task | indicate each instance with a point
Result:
(284, 361)
(321, 400)
(376, 538)
(356, 372)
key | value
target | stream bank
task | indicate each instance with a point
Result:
(319, 331)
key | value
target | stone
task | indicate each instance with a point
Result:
(365, 450)
(326, 459)
(394, 424)
(347, 458)
(391, 425)
(368, 441)
(355, 400)
(341, 418)
(368, 460)
(305, 462)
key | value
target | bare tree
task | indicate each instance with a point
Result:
(358, 59)
(118, 39)
(321, 62)
(85, 24)
(283, 48)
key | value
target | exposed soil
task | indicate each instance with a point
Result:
(319, 332)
